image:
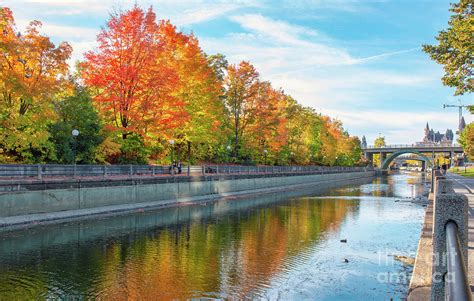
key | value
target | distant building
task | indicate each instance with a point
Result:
(432, 137)
(462, 125)
(363, 143)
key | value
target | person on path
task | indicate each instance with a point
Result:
(444, 168)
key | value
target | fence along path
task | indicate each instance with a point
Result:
(40, 171)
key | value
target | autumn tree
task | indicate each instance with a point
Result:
(242, 85)
(303, 126)
(32, 72)
(455, 50)
(262, 123)
(349, 150)
(149, 83)
(199, 89)
(378, 142)
(132, 83)
(466, 139)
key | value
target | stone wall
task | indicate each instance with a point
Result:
(29, 206)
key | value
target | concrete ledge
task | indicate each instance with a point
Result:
(420, 294)
(33, 184)
(167, 198)
(420, 283)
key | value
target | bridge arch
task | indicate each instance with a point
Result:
(396, 154)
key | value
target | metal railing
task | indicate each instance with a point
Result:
(414, 145)
(457, 289)
(450, 242)
(59, 171)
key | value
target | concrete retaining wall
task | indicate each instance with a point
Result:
(22, 243)
(23, 207)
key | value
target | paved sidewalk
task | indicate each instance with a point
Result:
(466, 186)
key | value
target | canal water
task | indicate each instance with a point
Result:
(338, 244)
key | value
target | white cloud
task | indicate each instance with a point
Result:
(383, 55)
(291, 42)
(207, 13)
(63, 32)
(281, 32)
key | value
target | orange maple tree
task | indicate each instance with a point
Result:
(32, 68)
(132, 83)
(32, 73)
(199, 88)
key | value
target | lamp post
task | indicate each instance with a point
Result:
(265, 153)
(171, 142)
(74, 133)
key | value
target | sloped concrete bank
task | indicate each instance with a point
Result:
(420, 283)
(27, 204)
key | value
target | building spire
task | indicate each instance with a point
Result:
(462, 124)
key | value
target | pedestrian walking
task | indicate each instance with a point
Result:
(444, 168)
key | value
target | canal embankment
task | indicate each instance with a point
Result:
(25, 203)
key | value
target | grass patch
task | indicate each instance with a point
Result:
(468, 172)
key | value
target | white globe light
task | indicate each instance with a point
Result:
(75, 132)
(171, 141)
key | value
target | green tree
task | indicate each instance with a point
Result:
(76, 112)
(456, 47)
(379, 142)
(133, 150)
(466, 139)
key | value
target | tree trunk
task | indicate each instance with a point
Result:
(189, 152)
(236, 143)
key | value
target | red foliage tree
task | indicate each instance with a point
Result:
(133, 88)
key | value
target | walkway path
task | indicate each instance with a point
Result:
(466, 186)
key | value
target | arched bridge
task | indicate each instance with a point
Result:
(426, 152)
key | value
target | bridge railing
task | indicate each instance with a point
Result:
(39, 171)
(414, 145)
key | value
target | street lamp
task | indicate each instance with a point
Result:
(265, 152)
(74, 133)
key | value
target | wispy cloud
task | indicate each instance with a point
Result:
(205, 13)
(383, 55)
(280, 31)
(286, 44)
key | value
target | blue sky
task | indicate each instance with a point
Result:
(359, 61)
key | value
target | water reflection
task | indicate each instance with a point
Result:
(274, 246)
